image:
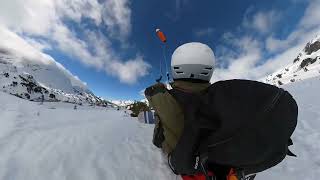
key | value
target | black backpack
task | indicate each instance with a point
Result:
(241, 124)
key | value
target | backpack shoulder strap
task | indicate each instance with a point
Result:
(186, 157)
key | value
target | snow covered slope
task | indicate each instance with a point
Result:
(37, 78)
(306, 65)
(305, 138)
(55, 142)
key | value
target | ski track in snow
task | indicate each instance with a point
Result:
(55, 142)
(38, 142)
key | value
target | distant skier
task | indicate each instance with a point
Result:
(219, 131)
(42, 99)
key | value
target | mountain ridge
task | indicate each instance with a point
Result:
(306, 65)
(42, 79)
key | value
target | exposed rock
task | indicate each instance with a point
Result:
(52, 96)
(6, 75)
(296, 59)
(20, 96)
(27, 95)
(310, 48)
(307, 62)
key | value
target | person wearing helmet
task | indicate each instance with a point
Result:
(192, 65)
(219, 131)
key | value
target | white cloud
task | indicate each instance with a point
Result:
(129, 70)
(276, 45)
(204, 32)
(251, 65)
(73, 46)
(77, 9)
(38, 44)
(311, 17)
(28, 16)
(116, 14)
(262, 22)
(45, 19)
(296, 42)
(247, 54)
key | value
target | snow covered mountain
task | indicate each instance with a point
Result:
(126, 103)
(42, 79)
(122, 103)
(305, 65)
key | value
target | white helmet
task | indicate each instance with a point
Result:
(194, 61)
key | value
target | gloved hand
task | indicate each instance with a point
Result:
(154, 89)
(158, 134)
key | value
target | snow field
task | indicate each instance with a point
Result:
(306, 137)
(38, 142)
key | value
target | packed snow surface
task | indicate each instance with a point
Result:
(55, 141)
(306, 137)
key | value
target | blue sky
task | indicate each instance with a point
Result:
(111, 45)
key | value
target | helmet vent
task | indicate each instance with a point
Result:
(179, 72)
(208, 68)
(204, 73)
(191, 75)
(176, 67)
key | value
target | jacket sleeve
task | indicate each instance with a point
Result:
(169, 115)
(158, 136)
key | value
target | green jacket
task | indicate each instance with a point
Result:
(169, 115)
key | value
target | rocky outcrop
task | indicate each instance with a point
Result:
(312, 47)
